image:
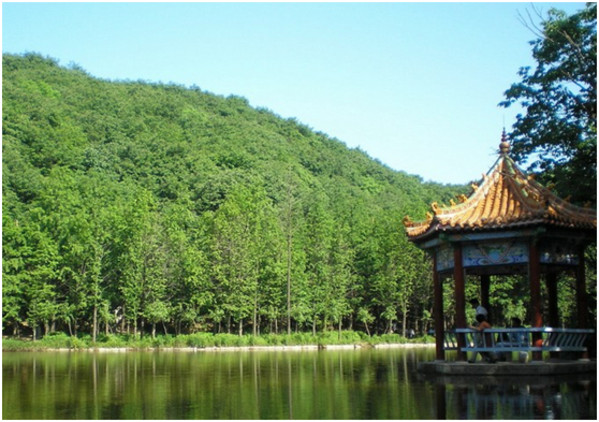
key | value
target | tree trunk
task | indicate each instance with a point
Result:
(289, 284)
(255, 318)
(367, 330)
(95, 324)
(153, 330)
(241, 327)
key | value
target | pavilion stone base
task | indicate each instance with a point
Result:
(512, 369)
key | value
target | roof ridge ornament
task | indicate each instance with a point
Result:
(504, 146)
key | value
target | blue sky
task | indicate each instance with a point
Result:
(415, 85)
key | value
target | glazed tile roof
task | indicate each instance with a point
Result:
(506, 198)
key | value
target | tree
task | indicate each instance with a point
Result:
(237, 253)
(149, 205)
(13, 273)
(318, 244)
(559, 126)
(143, 283)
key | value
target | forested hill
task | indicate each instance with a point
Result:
(131, 205)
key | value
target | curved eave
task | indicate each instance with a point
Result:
(507, 199)
(436, 230)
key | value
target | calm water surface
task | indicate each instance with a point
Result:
(353, 384)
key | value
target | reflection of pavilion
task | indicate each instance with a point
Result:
(509, 225)
(515, 397)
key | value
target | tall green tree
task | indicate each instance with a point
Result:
(319, 230)
(237, 253)
(558, 129)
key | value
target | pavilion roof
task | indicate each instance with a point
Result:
(507, 198)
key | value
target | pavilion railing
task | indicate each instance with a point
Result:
(537, 339)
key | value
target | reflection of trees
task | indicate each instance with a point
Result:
(273, 385)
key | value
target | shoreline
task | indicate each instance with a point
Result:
(282, 348)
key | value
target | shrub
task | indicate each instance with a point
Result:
(113, 340)
(77, 343)
(15, 345)
(56, 341)
(200, 340)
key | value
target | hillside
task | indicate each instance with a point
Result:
(129, 206)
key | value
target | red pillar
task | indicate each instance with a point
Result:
(534, 275)
(551, 282)
(581, 291)
(438, 311)
(581, 295)
(460, 297)
(485, 281)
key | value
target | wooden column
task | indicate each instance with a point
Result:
(551, 282)
(438, 311)
(581, 296)
(485, 282)
(581, 291)
(534, 276)
(460, 297)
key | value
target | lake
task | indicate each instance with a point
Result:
(326, 384)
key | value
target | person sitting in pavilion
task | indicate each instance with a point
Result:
(482, 339)
(480, 310)
(513, 339)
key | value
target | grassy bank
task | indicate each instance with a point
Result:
(201, 340)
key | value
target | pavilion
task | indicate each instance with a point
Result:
(510, 224)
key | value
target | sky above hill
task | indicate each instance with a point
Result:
(415, 85)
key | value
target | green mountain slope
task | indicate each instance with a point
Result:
(130, 205)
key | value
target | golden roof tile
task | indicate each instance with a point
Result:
(506, 198)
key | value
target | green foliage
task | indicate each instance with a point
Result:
(132, 208)
(207, 340)
(559, 127)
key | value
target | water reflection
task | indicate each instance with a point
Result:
(542, 397)
(355, 384)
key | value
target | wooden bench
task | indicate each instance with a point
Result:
(499, 340)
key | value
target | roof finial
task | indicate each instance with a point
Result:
(504, 146)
